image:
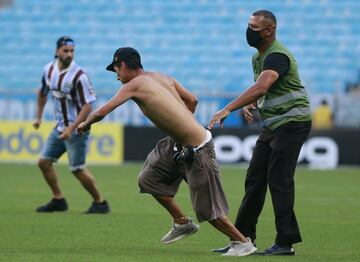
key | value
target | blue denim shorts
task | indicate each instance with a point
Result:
(76, 147)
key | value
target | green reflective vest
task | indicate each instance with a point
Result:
(286, 100)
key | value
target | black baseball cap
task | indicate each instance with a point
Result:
(127, 54)
(64, 40)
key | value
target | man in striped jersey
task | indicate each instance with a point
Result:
(284, 107)
(72, 95)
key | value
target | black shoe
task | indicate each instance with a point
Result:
(54, 205)
(99, 208)
(276, 250)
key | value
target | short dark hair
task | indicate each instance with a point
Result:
(267, 14)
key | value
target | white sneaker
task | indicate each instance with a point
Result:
(179, 231)
(240, 249)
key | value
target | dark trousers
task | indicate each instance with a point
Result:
(273, 163)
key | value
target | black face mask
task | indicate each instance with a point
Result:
(253, 37)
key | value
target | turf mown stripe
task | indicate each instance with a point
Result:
(327, 209)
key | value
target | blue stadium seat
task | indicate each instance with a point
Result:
(200, 42)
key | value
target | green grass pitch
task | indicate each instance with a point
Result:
(327, 208)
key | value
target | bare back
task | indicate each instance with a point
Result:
(158, 99)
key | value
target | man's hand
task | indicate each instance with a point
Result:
(66, 133)
(83, 127)
(249, 117)
(219, 118)
(36, 124)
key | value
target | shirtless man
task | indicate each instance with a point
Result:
(188, 152)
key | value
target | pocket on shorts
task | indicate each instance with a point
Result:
(202, 168)
(196, 174)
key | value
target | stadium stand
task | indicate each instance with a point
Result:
(201, 42)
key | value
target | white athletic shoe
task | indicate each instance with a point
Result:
(240, 249)
(179, 231)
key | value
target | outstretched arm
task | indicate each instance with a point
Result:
(85, 111)
(124, 94)
(261, 86)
